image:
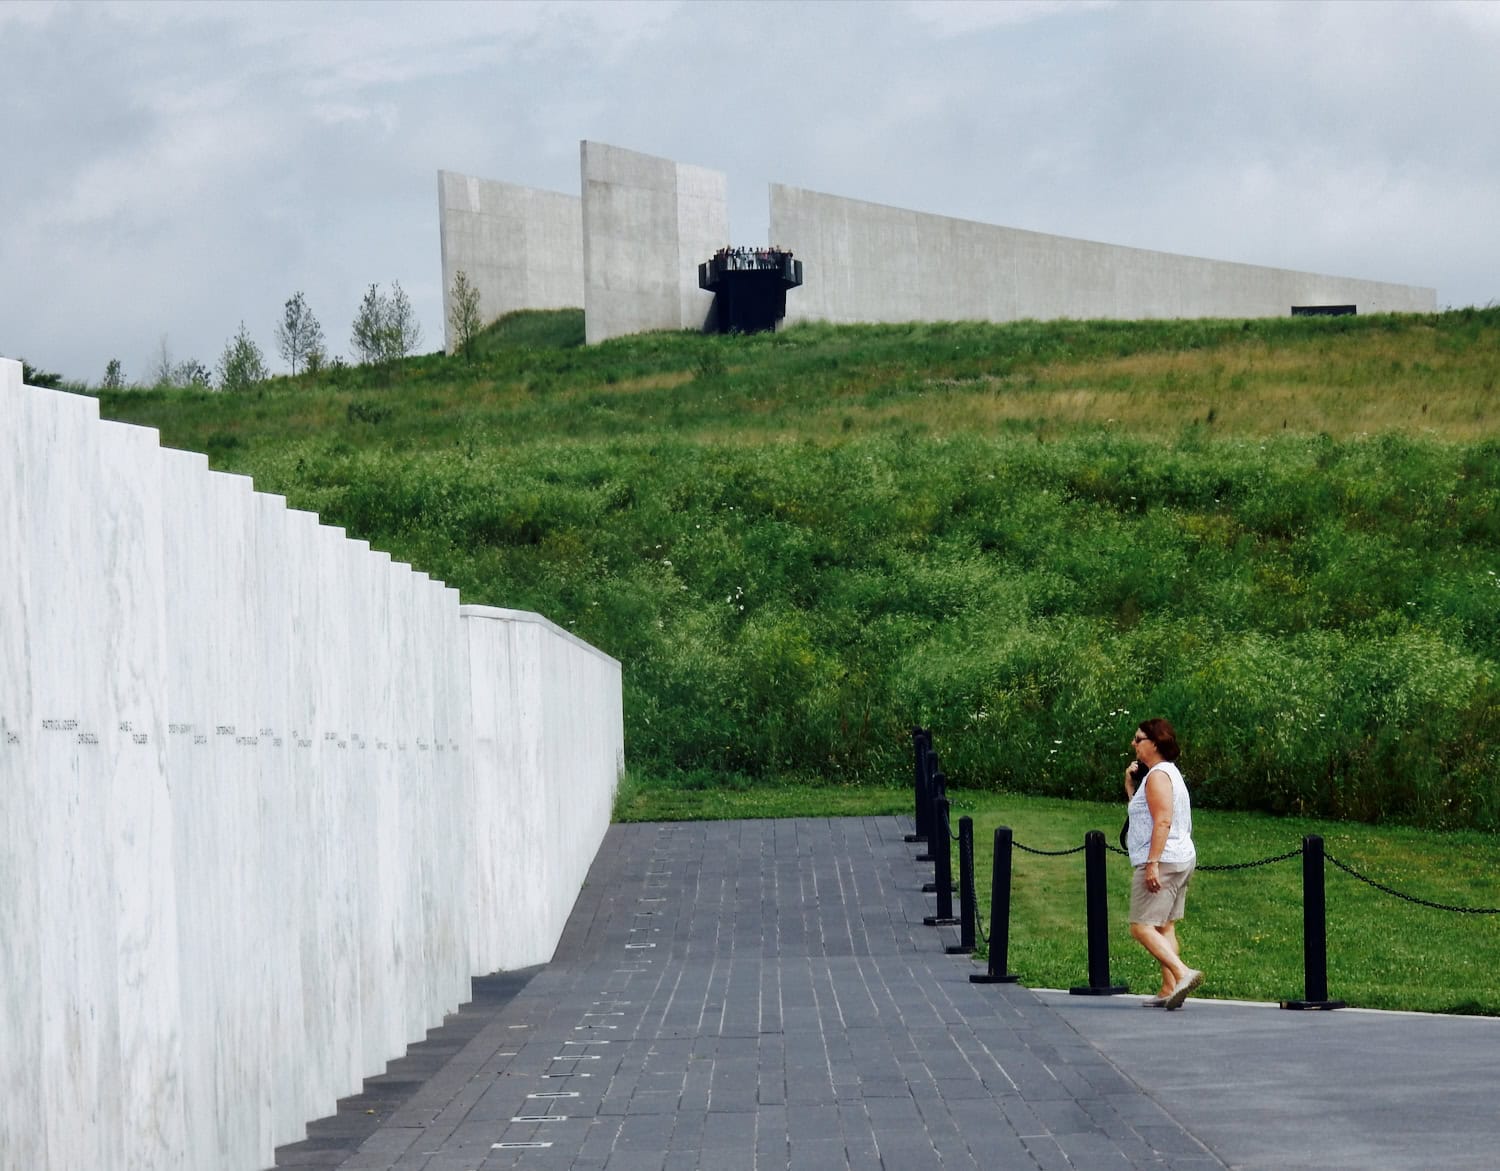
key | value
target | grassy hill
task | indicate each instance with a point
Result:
(1284, 534)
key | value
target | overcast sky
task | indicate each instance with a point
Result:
(173, 169)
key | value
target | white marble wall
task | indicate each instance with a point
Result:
(545, 705)
(267, 800)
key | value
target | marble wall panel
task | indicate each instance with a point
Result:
(550, 769)
(488, 776)
(21, 794)
(394, 850)
(451, 901)
(359, 813)
(77, 997)
(282, 850)
(401, 633)
(139, 800)
(187, 526)
(308, 817)
(337, 671)
(242, 1102)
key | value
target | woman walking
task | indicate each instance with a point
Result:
(1160, 843)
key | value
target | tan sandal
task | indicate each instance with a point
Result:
(1190, 981)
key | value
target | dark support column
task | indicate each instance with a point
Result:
(1314, 930)
(999, 914)
(942, 865)
(1097, 904)
(966, 908)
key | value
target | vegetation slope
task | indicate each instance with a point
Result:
(1283, 534)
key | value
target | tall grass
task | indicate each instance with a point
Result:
(1282, 534)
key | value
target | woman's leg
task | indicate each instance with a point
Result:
(1161, 942)
(1168, 980)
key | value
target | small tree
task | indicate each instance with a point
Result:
(299, 333)
(189, 374)
(317, 359)
(402, 329)
(385, 328)
(114, 376)
(368, 338)
(463, 314)
(35, 376)
(163, 370)
(241, 366)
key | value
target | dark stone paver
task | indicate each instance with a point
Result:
(763, 994)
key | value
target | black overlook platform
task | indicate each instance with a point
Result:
(749, 287)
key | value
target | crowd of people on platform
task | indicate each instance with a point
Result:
(749, 259)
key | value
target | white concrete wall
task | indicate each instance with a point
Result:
(520, 247)
(647, 224)
(867, 262)
(267, 800)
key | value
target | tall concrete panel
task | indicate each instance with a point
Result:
(246, 852)
(868, 262)
(647, 223)
(520, 247)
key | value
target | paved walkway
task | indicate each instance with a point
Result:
(763, 994)
(1352, 1090)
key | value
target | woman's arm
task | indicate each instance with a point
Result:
(1159, 803)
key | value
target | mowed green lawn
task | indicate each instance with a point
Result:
(1244, 927)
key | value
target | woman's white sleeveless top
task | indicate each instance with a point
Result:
(1179, 849)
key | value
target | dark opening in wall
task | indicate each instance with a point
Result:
(1323, 310)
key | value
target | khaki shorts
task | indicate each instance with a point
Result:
(1158, 908)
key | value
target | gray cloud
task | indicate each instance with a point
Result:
(175, 168)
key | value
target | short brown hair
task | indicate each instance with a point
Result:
(1160, 733)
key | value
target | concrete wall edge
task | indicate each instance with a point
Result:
(501, 614)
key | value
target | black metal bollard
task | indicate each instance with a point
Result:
(1097, 904)
(942, 864)
(921, 739)
(999, 914)
(966, 908)
(936, 788)
(1314, 931)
